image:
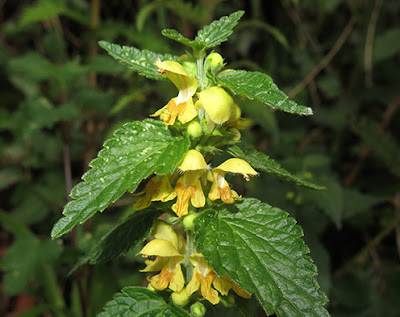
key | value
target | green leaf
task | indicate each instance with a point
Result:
(263, 162)
(140, 302)
(176, 36)
(24, 259)
(383, 145)
(260, 87)
(46, 9)
(137, 150)
(218, 31)
(141, 61)
(211, 35)
(259, 247)
(386, 45)
(122, 238)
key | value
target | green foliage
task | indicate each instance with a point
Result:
(136, 301)
(263, 162)
(260, 87)
(34, 254)
(122, 238)
(260, 248)
(211, 35)
(136, 151)
(141, 61)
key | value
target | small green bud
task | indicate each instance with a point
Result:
(198, 309)
(237, 136)
(194, 129)
(180, 298)
(188, 221)
(215, 62)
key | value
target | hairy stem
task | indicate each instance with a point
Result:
(190, 251)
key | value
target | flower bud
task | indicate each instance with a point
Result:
(194, 129)
(235, 116)
(188, 221)
(237, 135)
(180, 298)
(217, 103)
(198, 309)
(215, 62)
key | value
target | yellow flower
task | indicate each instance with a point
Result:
(157, 189)
(169, 248)
(188, 187)
(182, 106)
(204, 277)
(218, 105)
(220, 188)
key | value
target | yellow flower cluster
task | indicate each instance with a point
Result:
(188, 187)
(169, 248)
(214, 108)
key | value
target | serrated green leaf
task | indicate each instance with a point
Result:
(260, 87)
(140, 302)
(137, 150)
(122, 238)
(141, 61)
(218, 31)
(176, 36)
(259, 247)
(263, 162)
(211, 35)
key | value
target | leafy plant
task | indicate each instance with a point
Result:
(221, 242)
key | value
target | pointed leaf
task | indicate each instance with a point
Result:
(122, 238)
(136, 151)
(218, 31)
(259, 247)
(211, 35)
(176, 36)
(140, 302)
(260, 87)
(263, 162)
(141, 61)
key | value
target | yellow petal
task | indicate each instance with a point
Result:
(193, 161)
(187, 85)
(194, 284)
(164, 231)
(160, 247)
(188, 112)
(177, 281)
(155, 266)
(217, 103)
(222, 285)
(198, 199)
(237, 166)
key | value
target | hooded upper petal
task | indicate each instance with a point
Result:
(186, 84)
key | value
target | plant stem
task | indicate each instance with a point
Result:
(190, 251)
(200, 72)
(52, 291)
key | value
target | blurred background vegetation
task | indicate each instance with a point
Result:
(61, 96)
